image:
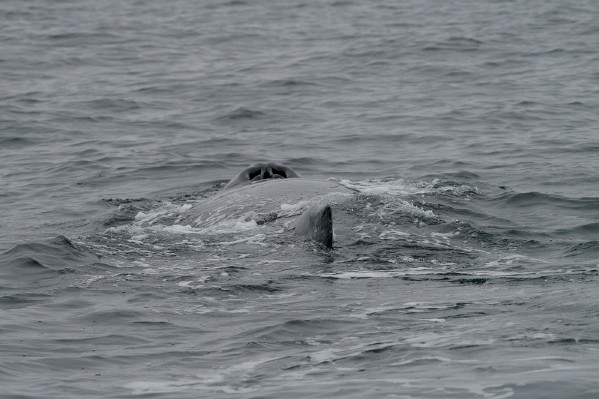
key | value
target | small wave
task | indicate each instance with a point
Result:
(54, 255)
(27, 264)
(588, 229)
(289, 83)
(15, 142)
(241, 113)
(479, 276)
(246, 289)
(16, 301)
(454, 176)
(236, 3)
(408, 307)
(82, 37)
(114, 104)
(529, 199)
(535, 198)
(289, 330)
(114, 317)
(588, 249)
(456, 43)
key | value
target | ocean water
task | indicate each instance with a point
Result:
(465, 264)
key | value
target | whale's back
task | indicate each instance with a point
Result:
(264, 200)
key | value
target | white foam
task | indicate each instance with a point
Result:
(90, 279)
(257, 239)
(445, 236)
(402, 187)
(509, 261)
(273, 261)
(420, 359)
(288, 210)
(457, 190)
(436, 340)
(324, 355)
(380, 274)
(387, 186)
(166, 209)
(147, 225)
(219, 379)
(531, 336)
(393, 234)
(395, 205)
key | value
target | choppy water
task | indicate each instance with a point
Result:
(469, 260)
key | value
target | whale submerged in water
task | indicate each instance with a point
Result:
(262, 193)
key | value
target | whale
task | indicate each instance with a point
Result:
(269, 192)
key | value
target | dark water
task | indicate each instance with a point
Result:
(468, 266)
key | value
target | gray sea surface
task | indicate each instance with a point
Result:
(465, 265)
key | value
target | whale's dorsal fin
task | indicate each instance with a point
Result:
(317, 224)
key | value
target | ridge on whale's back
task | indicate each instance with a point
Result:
(301, 188)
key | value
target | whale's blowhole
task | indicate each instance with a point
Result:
(262, 171)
